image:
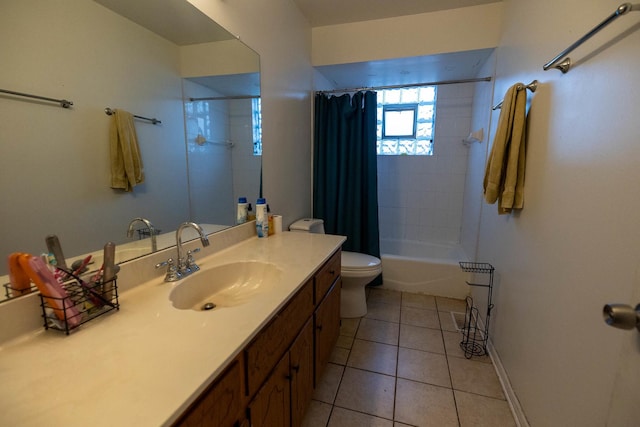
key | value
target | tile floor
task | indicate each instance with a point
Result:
(401, 365)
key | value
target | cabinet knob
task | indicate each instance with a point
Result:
(296, 368)
(332, 272)
(319, 327)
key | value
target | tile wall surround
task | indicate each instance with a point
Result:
(421, 197)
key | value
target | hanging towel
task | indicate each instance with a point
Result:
(504, 174)
(126, 163)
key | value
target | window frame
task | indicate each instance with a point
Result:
(413, 107)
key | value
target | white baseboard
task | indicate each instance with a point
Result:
(512, 399)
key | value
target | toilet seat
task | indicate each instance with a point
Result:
(356, 264)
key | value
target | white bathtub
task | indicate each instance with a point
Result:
(424, 268)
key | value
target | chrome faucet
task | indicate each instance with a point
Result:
(186, 265)
(152, 231)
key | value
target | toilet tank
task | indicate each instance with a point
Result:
(308, 225)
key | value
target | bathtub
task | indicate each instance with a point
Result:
(424, 268)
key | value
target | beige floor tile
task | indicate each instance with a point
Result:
(373, 356)
(427, 302)
(427, 405)
(339, 356)
(446, 321)
(378, 331)
(419, 338)
(450, 304)
(341, 417)
(345, 342)
(419, 317)
(317, 414)
(383, 311)
(367, 392)
(481, 411)
(475, 377)
(327, 388)
(348, 327)
(424, 367)
(387, 296)
(452, 347)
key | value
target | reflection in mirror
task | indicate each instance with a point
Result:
(125, 55)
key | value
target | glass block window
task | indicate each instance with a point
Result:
(406, 120)
(256, 113)
(200, 113)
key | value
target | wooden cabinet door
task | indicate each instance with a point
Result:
(301, 359)
(272, 405)
(327, 327)
(222, 405)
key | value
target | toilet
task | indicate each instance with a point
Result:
(358, 270)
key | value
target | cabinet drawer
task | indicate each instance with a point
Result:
(273, 341)
(326, 276)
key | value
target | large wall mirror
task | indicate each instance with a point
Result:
(155, 59)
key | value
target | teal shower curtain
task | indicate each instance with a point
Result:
(345, 181)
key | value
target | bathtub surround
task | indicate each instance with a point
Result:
(421, 197)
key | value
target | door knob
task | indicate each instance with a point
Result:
(622, 316)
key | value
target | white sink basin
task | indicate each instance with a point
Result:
(226, 285)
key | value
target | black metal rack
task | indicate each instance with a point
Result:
(83, 302)
(474, 337)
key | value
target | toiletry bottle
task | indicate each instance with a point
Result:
(243, 210)
(262, 219)
(271, 228)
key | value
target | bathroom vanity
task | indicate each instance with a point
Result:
(149, 364)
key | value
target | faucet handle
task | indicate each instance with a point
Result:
(173, 275)
(191, 262)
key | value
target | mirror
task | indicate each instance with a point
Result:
(146, 57)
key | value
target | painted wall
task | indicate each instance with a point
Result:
(421, 197)
(465, 28)
(576, 244)
(278, 32)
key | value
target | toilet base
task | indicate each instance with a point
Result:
(353, 301)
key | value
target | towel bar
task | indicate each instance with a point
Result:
(533, 86)
(109, 112)
(565, 64)
(64, 103)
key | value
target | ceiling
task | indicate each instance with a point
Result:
(331, 12)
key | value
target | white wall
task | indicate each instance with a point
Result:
(454, 30)
(576, 243)
(421, 197)
(278, 32)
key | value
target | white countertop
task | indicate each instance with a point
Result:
(144, 364)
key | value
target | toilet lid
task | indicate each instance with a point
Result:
(353, 261)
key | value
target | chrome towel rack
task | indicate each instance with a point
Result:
(109, 112)
(565, 64)
(64, 103)
(533, 86)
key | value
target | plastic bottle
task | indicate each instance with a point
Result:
(243, 211)
(250, 215)
(262, 219)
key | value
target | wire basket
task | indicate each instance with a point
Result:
(82, 303)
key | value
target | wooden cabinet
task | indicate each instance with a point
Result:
(327, 321)
(272, 380)
(272, 404)
(302, 373)
(222, 404)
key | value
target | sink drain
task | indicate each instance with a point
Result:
(209, 306)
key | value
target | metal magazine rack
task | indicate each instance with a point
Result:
(475, 335)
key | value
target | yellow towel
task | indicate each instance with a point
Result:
(126, 162)
(504, 174)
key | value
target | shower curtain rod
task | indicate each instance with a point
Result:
(438, 83)
(220, 98)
